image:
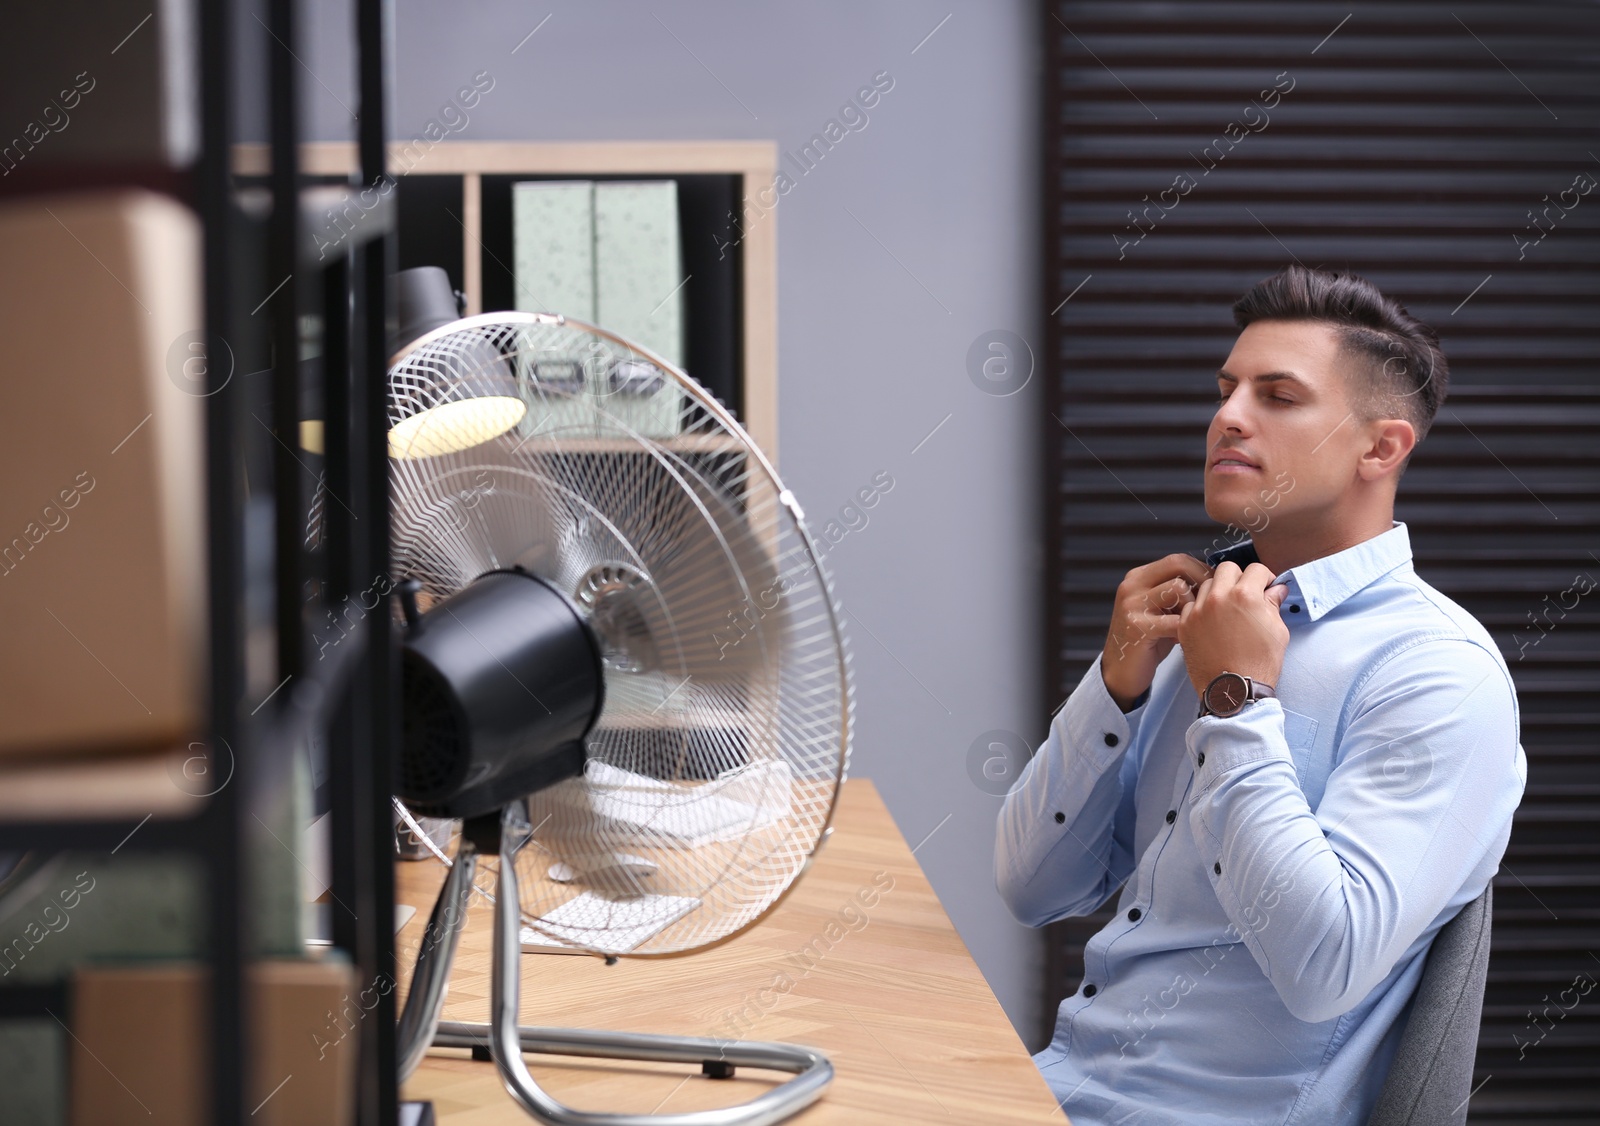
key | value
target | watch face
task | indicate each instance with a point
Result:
(1226, 694)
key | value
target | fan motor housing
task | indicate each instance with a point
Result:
(501, 682)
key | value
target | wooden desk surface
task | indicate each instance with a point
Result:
(897, 1003)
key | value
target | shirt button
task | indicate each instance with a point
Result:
(1061, 819)
(1172, 815)
(1202, 759)
(1134, 914)
(1111, 739)
(1089, 991)
(1217, 867)
(1295, 609)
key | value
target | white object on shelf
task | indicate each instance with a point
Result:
(552, 234)
(639, 294)
(611, 254)
(552, 231)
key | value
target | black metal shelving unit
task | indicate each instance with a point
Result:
(258, 240)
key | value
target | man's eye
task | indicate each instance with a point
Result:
(1279, 399)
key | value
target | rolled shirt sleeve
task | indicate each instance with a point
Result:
(1427, 774)
(1064, 840)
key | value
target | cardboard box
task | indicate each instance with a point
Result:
(140, 1044)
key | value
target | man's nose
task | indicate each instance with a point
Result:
(1231, 415)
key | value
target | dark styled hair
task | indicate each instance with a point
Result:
(1404, 374)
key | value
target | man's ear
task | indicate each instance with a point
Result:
(1389, 441)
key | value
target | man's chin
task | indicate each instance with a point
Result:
(1229, 512)
(1219, 510)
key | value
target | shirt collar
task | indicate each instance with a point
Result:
(1325, 583)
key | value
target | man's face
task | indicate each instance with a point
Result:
(1284, 406)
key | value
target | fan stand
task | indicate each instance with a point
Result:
(421, 1027)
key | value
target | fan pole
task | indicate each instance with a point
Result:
(507, 1042)
(430, 977)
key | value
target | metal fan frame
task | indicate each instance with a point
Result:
(663, 451)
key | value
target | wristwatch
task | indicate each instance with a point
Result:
(1229, 692)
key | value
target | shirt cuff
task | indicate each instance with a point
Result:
(1218, 744)
(1092, 723)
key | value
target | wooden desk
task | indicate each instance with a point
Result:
(897, 1004)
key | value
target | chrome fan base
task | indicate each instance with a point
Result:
(421, 1027)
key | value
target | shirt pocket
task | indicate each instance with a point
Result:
(1312, 764)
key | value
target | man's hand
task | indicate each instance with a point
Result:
(1233, 625)
(1144, 623)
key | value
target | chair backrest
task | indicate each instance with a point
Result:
(1431, 1078)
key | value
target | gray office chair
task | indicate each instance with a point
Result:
(1431, 1078)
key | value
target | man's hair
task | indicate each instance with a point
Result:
(1403, 374)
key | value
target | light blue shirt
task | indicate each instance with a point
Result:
(1283, 871)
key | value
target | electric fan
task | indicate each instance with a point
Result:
(622, 669)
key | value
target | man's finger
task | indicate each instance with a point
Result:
(1257, 576)
(1171, 595)
(1173, 566)
(1225, 576)
(1162, 625)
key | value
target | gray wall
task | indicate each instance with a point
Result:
(910, 240)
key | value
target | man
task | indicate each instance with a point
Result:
(1298, 760)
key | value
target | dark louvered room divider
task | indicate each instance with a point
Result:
(1447, 152)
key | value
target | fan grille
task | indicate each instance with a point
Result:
(716, 761)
